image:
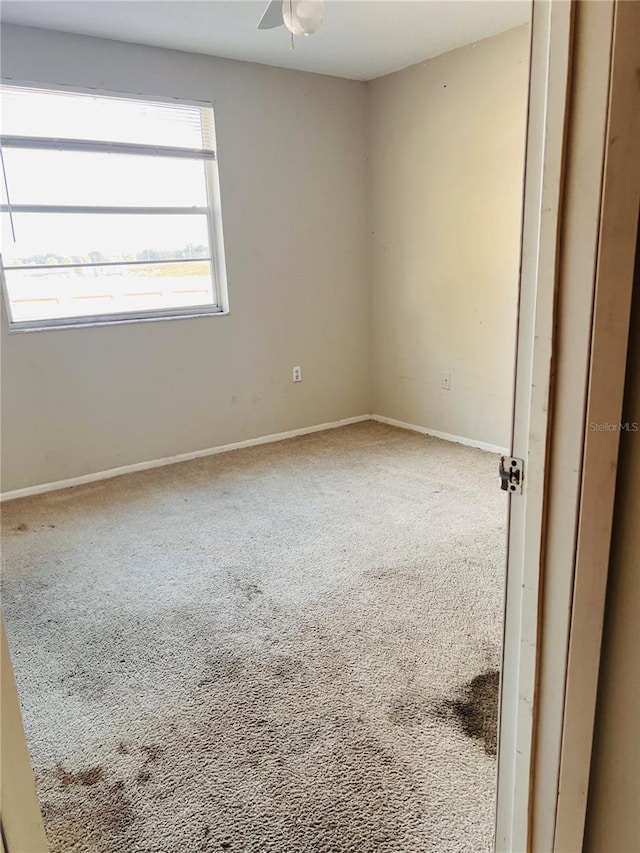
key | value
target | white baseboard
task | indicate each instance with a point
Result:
(445, 436)
(238, 445)
(171, 460)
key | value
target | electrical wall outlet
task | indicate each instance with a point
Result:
(446, 381)
(297, 374)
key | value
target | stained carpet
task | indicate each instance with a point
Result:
(291, 648)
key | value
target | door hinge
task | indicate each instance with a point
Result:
(511, 472)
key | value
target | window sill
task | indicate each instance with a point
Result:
(17, 328)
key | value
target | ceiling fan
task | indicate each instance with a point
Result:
(300, 17)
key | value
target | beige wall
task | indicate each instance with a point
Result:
(613, 814)
(293, 182)
(446, 170)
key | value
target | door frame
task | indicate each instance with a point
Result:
(579, 241)
(572, 240)
(552, 28)
(21, 821)
(614, 282)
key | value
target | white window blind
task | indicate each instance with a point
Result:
(110, 209)
(69, 115)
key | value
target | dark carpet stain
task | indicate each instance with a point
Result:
(21, 528)
(277, 770)
(251, 590)
(222, 666)
(287, 668)
(476, 709)
(153, 752)
(98, 816)
(408, 710)
(90, 776)
(85, 680)
(117, 812)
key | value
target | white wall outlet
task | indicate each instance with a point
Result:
(297, 374)
(446, 381)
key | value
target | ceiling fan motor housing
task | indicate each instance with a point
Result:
(303, 17)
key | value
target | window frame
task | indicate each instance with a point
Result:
(212, 210)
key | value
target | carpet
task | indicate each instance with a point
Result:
(292, 648)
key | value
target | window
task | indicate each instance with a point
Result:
(110, 209)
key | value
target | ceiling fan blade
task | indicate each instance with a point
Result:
(272, 16)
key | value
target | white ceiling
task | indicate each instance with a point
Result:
(360, 39)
